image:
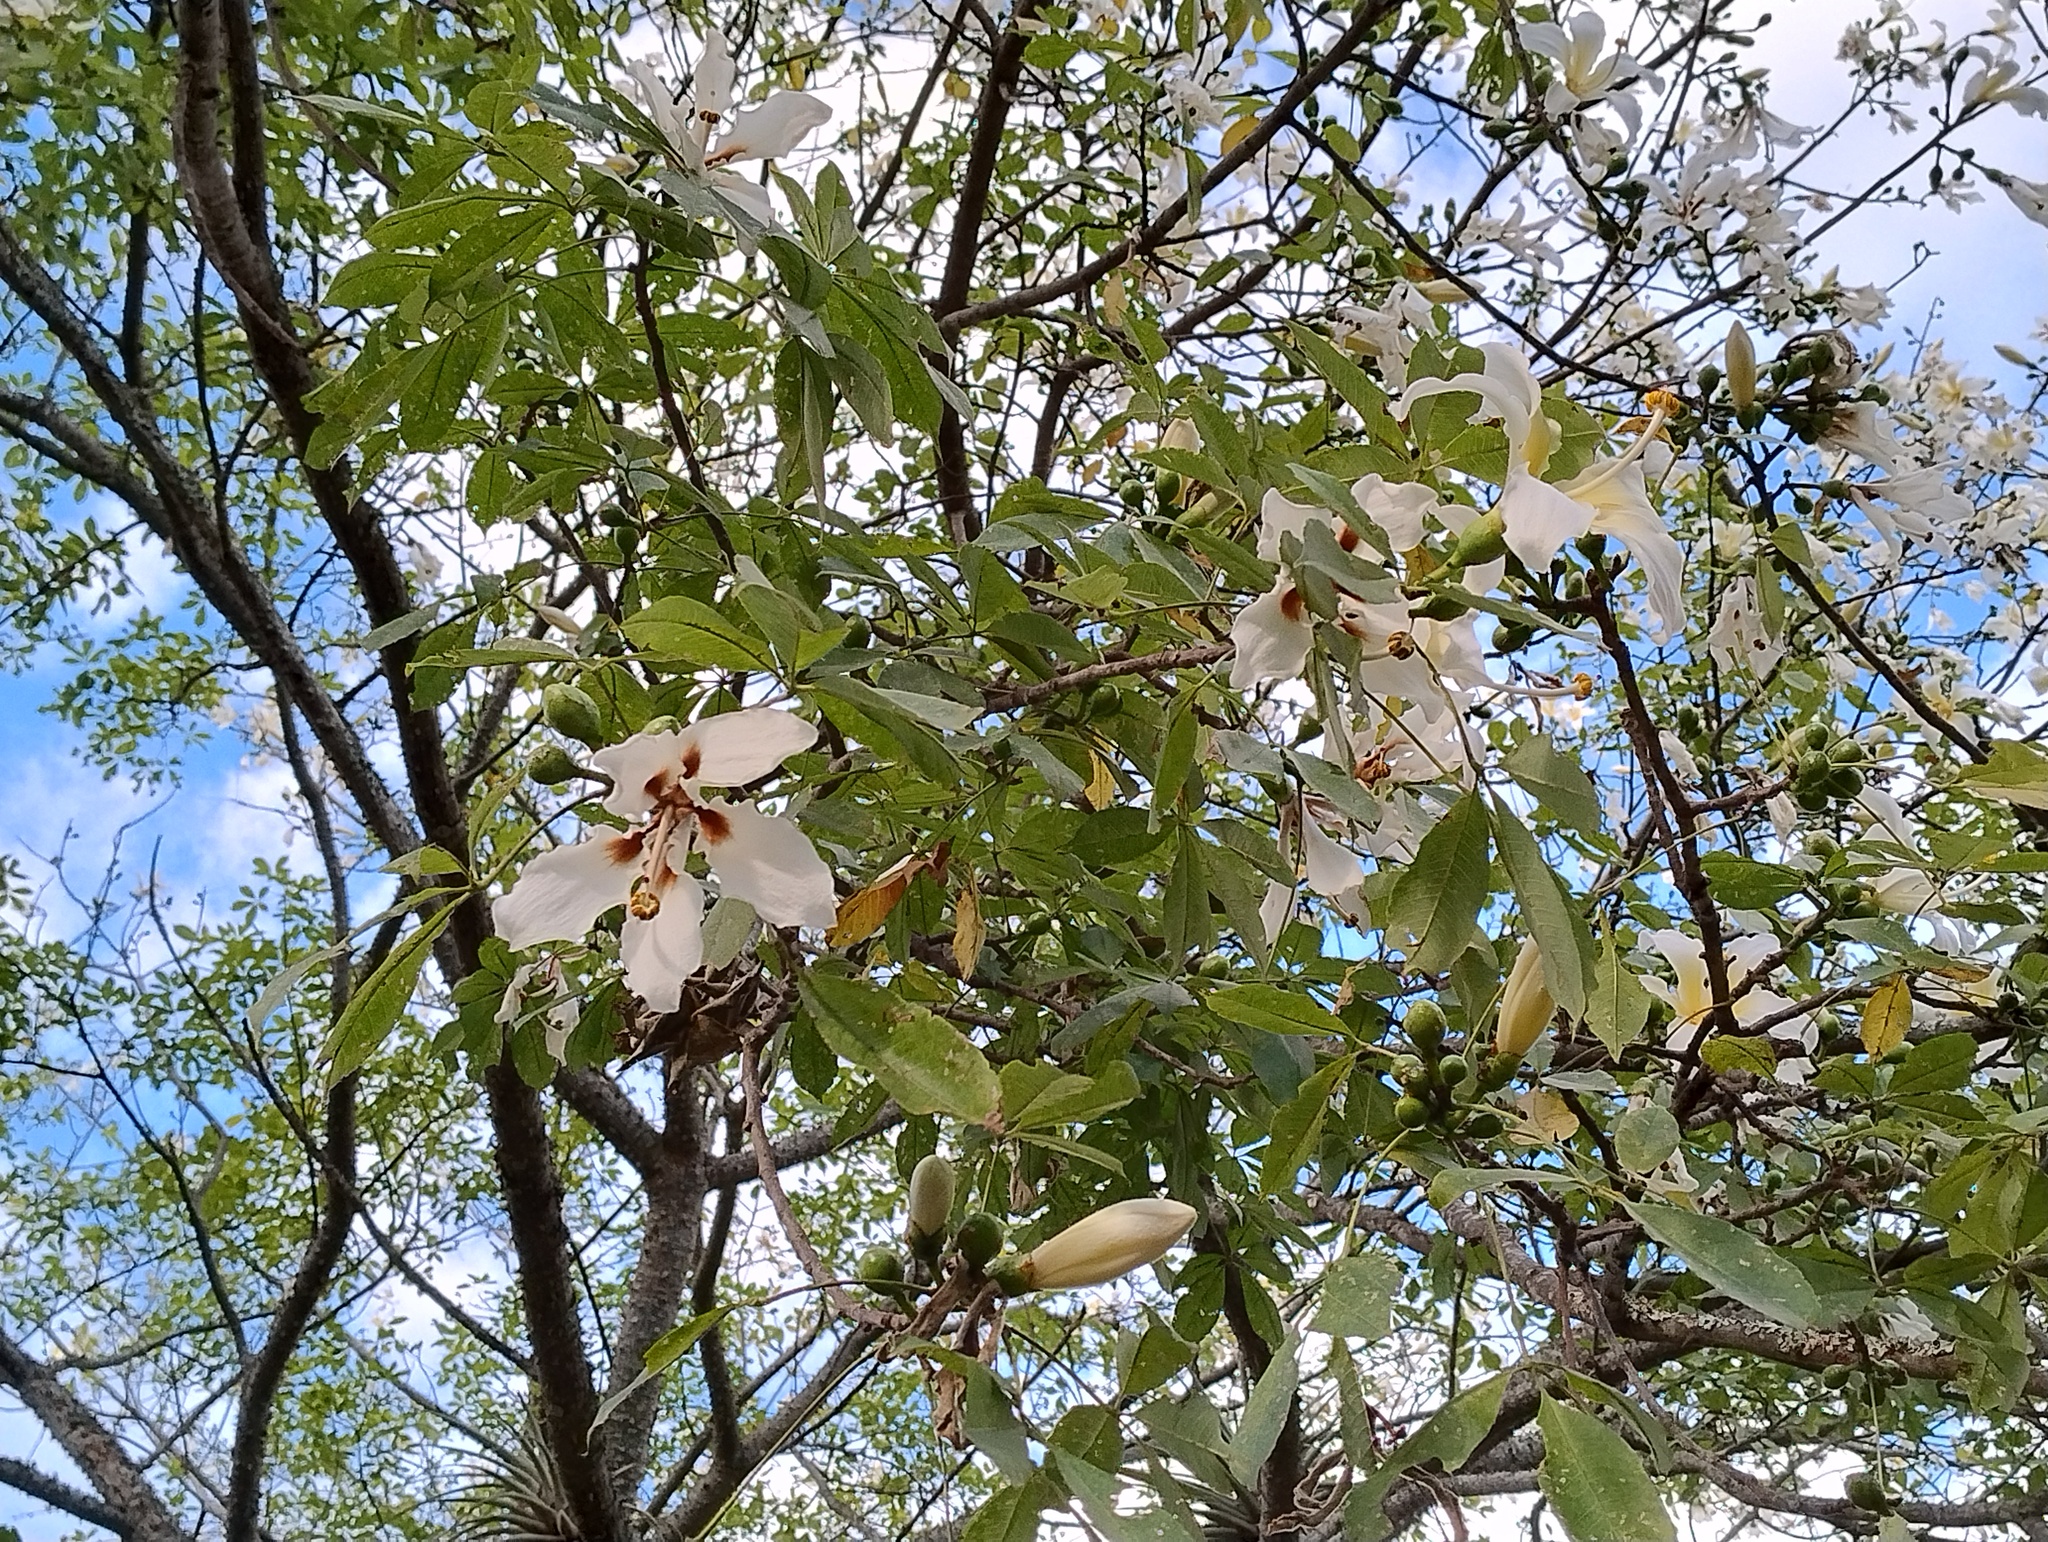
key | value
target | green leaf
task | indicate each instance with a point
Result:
(1935, 1065)
(1185, 918)
(926, 1063)
(1618, 1006)
(1595, 1481)
(1011, 1513)
(1437, 898)
(1042, 1097)
(1645, 1137)
(1547, 909)
(692, 633)
(661, 1354)
(1449, 1436)
(373, 1011)
(1557, 781)
(1357, 1297)
(1743, 884)
(1272, 1008)
(423, 862)
(1298, 1128)
(1265, 1413)
(1176, 753)
(1734, 1263)
(2016, 772)
(1739, 1052)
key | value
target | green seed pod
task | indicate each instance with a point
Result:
(1409, 1072)
(1483, 1125)
(1453, 1069)
(1847, 752)
(880, 1266)
(1411, 1113)
(931, 1201)
(1481, 541)
(1497, 1072)
(1104, 701)
(551, 766)
(1865, 1490)
(1214, 966)
(1425, 1026)
(572, 714)
(1844, 782)
(1442, 608)
(1811, 799)
(1835, 1377)
(1817, 736)
(665, 724)
(979, 1239)
(1813, 767)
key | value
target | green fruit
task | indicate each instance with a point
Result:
(551, 766)
(857, 632)
(1844, 782)
(1214, 966)
(1425, 1026)
(1811, 799)
(1511, 636)
(1835, 1377)
(1453, 1069)
(1813, 768)
(1408, 1071)
(1849, 753)
(572, 714)
(1865, 1490)
(1816, 736)
(1104, 701)
(1497, 1072)
(880, 1266)
(665, 724)
(1411, 1113)
(979, 1238)
(1484, 1125)
(1442, 608)
(1687, 722)
(1166, 484)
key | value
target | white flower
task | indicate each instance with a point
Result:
(760, 133)
(1110, 1243)
(2030, 198)
(1538, 517)
(1863, 429)
(1692, 998)
(1586, 74)
(1998, 79)
(760, 858)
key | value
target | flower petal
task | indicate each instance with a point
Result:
(642, 770)
(1622, 510)
(1276, 909)
(1271, 643)
(1398, 508)
(768, 862)
(1331, 868)
(1538, 518)
(736, 748)
(1280, 516)
(561, 893)
(775, 127)
(663, 951)
(711, 88)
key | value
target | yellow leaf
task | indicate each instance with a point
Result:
(860, 915)
(969, 931)
(1101, 784)
(957, 88)
(1239, 128)
(1545, 1116)
(1886, 1017)
(1115, 303)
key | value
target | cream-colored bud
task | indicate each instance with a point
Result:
(931, 1202)
(1740, 356)
(1110, 1243)
(1443, 291)
(1525, 1005)
(1180, 435)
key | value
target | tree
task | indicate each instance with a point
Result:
(1312, 620)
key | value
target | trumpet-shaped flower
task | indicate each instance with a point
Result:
(1692, 997)
(656, 780)
(1537, 517)
(759, 133)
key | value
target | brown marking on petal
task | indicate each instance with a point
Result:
(693, 757)
(623, 850)
(657, 785)
(1347, 538)
(714, 826)
(1290, 604)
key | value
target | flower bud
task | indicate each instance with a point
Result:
(931, 1201)
(1106, 1245)
(1479, 542)
(1180, 435)
(1442, 291)
(552, 766)
(1740, 355)
(1525, 1005)
(572, 714)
